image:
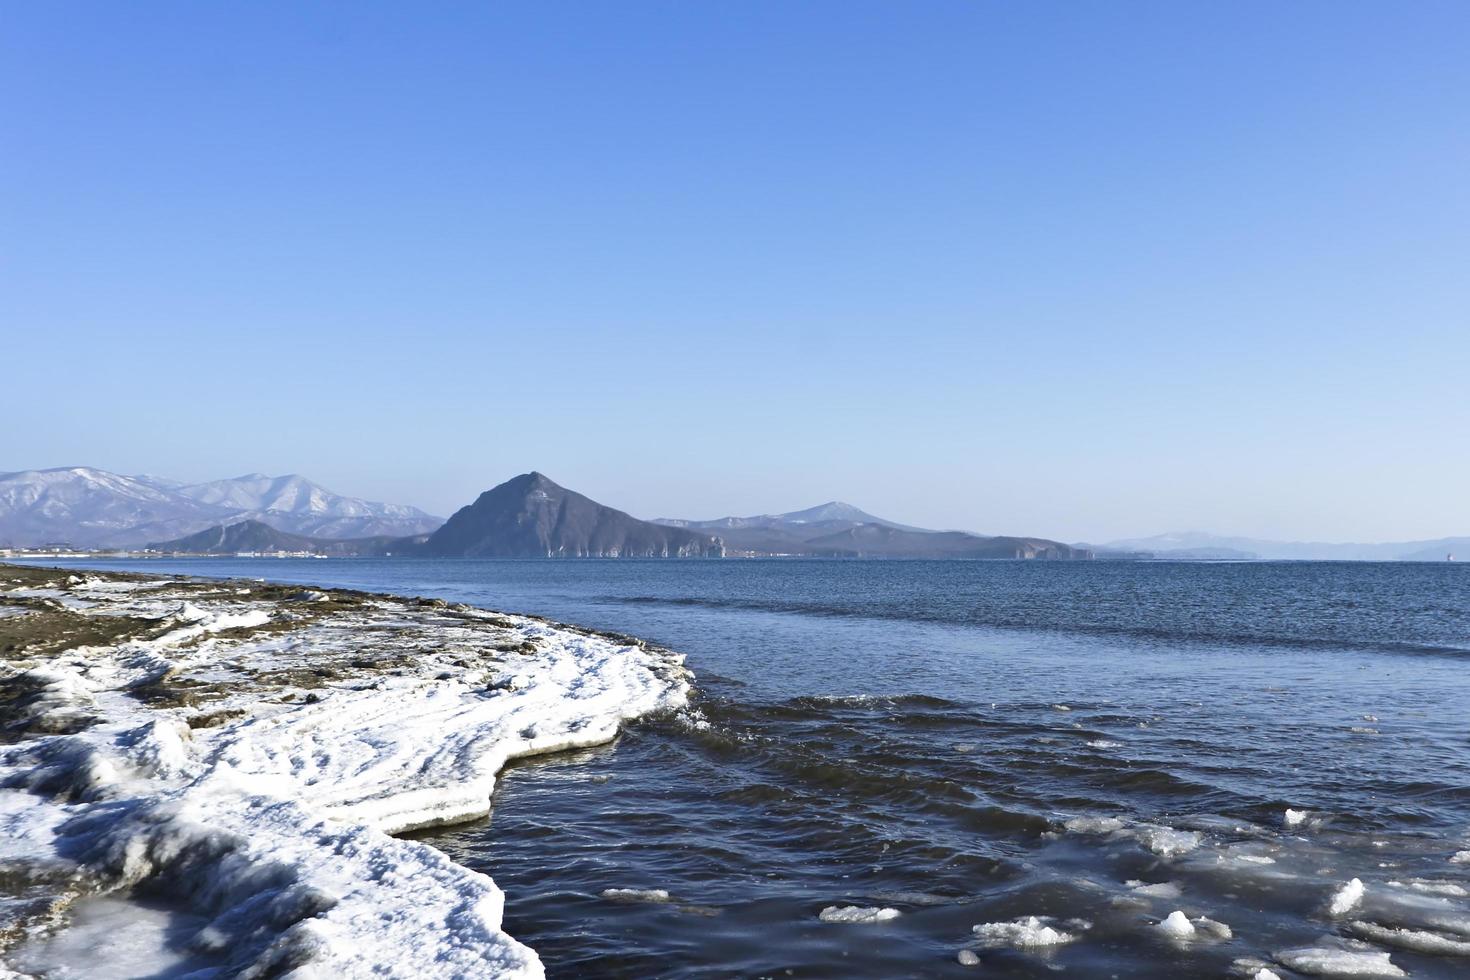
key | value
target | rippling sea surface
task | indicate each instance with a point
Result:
(1097, 744)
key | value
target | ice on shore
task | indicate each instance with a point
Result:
(856, 913)
(279, 747)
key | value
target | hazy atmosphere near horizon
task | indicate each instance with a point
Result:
(1082, 271)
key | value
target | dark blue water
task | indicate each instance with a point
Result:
(916, 736)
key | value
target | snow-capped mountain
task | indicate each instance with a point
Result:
(91, 508)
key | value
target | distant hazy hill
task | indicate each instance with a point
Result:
(91, 508)
(532, 517)
(839, 530)
(1188, 544)
(248, 536)
(878, 541)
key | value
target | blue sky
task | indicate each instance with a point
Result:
(1080, 270)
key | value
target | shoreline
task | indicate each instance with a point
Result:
(248, 750)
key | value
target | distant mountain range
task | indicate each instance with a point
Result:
(839, 530)
(84, 507)
(1199, 544)
(531, 516)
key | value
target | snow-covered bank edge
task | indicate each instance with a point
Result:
(246, 751)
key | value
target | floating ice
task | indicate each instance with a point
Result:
(1294, 818)
(1094, 825)
(1345, 898)
(1326, 961)
(968, 957)
(1024, 933)
(1430, 887)
(1417, 940)
(1460, 857)
(1162, 889)
(1177, 925)
(856, 913)
(653, 895)
(1166, 841)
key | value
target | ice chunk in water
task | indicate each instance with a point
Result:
(635, 894)
(1432, 887)
(1177, 925)
(856, 913)
(1094, 825)
(1345, 898)
(1163, 889)
(1027, 932)
(1416, 940)
(1327, 961)
(1166, 841)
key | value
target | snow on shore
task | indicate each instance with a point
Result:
(247, 751)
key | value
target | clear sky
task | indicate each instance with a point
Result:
(1082, 270)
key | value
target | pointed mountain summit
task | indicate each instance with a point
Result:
(532, 517)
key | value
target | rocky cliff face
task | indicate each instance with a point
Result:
(532, 517)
